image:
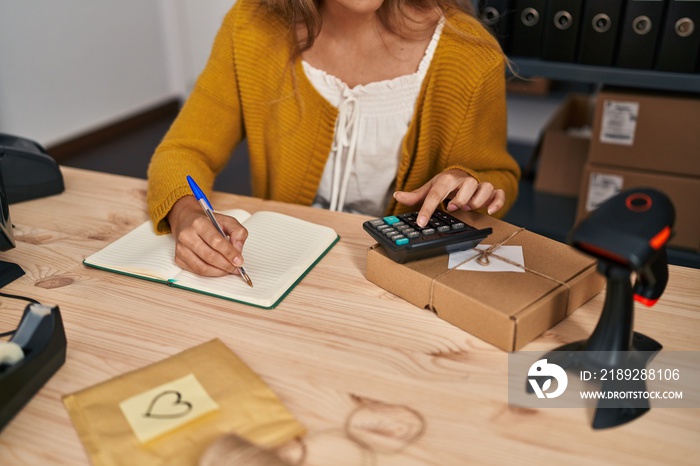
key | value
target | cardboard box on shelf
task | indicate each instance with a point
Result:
(506, 309)
(602, 182)
(564, 147)
(647, 130)
(528, 86)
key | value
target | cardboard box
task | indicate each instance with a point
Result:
(564, 147)
(506, 309)
(528, 86)
(647, 131)
(602, 182)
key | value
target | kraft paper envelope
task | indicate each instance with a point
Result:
(208, 383)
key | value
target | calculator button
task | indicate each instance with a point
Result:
(376, 222)
(412, 234)
(457, 226)
(428, 231)
(443, 229)
(383, 227)
(400, 241)
(390, 220)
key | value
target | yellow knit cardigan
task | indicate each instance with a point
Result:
(249, 88)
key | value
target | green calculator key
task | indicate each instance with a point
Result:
(391, 219)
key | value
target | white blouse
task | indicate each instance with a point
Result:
(372, 122)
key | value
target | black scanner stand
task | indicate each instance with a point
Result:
(628, 234)
(44, 347)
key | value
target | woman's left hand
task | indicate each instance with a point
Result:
(465, 191)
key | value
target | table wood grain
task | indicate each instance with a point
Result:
(419, 390)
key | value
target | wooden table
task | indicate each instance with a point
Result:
(336, 342)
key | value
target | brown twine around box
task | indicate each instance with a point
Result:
(483, 258)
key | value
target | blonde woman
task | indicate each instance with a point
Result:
(369, 106)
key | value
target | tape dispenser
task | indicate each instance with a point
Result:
(30, 358)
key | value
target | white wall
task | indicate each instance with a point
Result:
(70, 66)
(199, 24)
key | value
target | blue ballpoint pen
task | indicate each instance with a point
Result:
(209, 210)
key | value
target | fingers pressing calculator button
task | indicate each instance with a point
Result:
(403, 240)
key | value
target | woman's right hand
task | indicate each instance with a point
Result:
(199, 247)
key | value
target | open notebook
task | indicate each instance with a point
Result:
(279, 251)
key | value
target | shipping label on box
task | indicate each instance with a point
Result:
(619, 122)
(506, 309)
(601, 187)
(645, 130)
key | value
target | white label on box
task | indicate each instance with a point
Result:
(466, 260)
(619, 122)
(602, 187)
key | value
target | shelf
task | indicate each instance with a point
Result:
(646, 79)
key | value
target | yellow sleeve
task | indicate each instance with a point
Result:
(481, 146)
(204, 134)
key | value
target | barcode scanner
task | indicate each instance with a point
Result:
(631, 230)
(628, 235)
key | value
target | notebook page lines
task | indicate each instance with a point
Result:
(139, 252)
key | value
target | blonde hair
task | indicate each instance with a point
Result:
(392, 13)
